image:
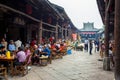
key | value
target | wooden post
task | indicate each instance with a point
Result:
(106, 61)
(56, 33)
(62, 33)
(28, 33)
(40, 33)
(117, 39)
(70, 34)
(106, 33)
(65, 33)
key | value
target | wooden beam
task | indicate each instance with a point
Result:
(49, 24)
(19, 12)
(108, 6)
(48, 30)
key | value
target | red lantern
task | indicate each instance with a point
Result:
(49, 20)
(28, 9)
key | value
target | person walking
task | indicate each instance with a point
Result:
(86, 44)
(76, 45)
(90, 46)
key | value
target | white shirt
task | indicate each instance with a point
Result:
(18, 43)
(110, 52)
(58, 45)
(86, 41)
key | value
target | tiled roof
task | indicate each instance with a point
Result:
(89, 27)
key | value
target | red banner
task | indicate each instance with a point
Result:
(74, 36)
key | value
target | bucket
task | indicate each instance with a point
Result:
(69, 51)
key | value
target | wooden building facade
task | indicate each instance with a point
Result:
(110, 13)
(28, 19)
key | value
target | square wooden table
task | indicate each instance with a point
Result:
(9, 60)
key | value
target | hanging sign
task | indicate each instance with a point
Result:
(74, 36)
(18, 20)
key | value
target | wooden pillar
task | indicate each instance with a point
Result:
(107, 17)
(28, 33)
(69, 34)
(65, 33)
(56, 33)
(117, 39)
(106, 61)
(62, 33)
(40, 33)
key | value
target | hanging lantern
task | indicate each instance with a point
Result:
(28, 9)
(49, 20)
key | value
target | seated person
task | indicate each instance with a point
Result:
(2, 51)
(20, 57)
(40, 47)
(3, 54)
(28, 56)
(11, 46)
(111, 56)
(57, 46)
(36, 55)
(28, 53)
(53, 47)
(61, 48)
(46, 50)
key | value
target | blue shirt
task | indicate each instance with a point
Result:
(47, 50)
(11, 47)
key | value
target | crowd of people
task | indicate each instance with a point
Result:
(33, 50)
(100, 48)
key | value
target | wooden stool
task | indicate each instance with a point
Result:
(3, 72)
(43, 60)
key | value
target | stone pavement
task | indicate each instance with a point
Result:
(77, 66)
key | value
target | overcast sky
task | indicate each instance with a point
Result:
(81, 11)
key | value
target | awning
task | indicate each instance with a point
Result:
(88, 32)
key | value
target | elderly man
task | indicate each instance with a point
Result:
(36, 55)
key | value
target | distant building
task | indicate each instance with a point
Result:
(88, 31)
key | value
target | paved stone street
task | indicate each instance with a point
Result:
(77, 66)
